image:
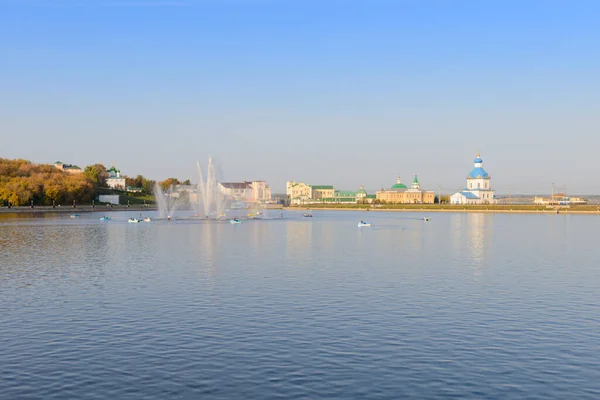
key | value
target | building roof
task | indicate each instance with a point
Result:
(236, 185)
(69, 166)
(371, 196)
(344, 193)
(361, 191)
(469, 195)
(399, 185)
(57, 163)
(322, 187)
(478, 173)
(415, 180)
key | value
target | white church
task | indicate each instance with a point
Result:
(478, 190)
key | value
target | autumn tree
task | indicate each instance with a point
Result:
(167, 183)
(96, 174)
(22, 182)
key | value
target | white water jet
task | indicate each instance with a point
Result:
(210, 198)
(166, 202)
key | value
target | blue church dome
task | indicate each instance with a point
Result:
(478, 173)
(478, 160)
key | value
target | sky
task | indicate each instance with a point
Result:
(347, 93)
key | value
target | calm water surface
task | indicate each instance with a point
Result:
(464, 306)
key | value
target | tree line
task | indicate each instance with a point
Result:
(23, 182)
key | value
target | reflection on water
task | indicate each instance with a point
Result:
(298, 239)
(471, 236)
(300, 308)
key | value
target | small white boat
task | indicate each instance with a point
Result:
(235, 221)
(147, 219)
(75, 215)
(426, 219)
(104, 218)
(363, 223)
(133, 220)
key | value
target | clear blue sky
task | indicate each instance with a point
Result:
(327, 92)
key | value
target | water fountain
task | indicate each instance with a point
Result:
(166, 202)
(210, 198)
(209, 202)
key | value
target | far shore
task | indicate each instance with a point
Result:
(517, 209)
(427, 208)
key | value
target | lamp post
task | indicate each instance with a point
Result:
(53, 204)
(31, 203)
(73, 203)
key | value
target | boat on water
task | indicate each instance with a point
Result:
(307, 215)
(75, 215)
(147, 219)
(364, 223)
(133, 220)
(235, 221)
(105, 218)
(426, 219)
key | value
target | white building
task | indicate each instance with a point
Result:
(257, 191)
(478, 190)
(114, 180)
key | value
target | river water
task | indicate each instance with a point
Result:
(469, 306)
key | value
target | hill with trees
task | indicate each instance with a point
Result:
(22, 182)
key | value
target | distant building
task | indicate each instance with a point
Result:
(303, 193)
(114, 180)
(478, 190)
(559, 199)
(69, 168)
(298, 192)
(320, 193)
(246, 191)
(399, 193)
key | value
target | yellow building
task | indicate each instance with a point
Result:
(298, 192)
(401, 194)
(322, 192)
(69, 168)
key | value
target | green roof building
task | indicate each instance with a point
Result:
(399, 185)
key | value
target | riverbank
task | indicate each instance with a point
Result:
(74, 210)
(428, 208)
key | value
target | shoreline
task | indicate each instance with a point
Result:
(71, 209)
(450, 210)
(104, 209)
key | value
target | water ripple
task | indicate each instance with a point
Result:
(466, 306)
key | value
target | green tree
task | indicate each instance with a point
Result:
(148, 186)
(96, 174)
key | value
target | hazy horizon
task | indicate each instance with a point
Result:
(342, 93)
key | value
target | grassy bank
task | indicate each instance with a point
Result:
(452, 208)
